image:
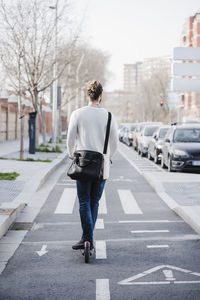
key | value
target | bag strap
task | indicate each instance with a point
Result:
(107, 133)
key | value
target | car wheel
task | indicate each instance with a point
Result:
(141, 153)
(169, 166)
(129, 143)
(155, 158)
(162, 163)
(149, 156)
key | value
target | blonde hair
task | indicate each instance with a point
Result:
(94, 89)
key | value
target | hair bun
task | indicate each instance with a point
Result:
(94, 89)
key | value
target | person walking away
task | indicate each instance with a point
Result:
(86, 131)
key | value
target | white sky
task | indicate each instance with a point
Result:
(131, 30)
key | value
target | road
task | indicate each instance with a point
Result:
(143, 249)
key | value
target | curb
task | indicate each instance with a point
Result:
(10, 211)
(190, 214)
(8, 217)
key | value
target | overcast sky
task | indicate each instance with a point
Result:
(131, 30)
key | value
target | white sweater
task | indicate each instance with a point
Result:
(87, 130)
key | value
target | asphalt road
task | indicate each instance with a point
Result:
(143, 249)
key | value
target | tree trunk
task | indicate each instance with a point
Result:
(43, 124)
(35, 102)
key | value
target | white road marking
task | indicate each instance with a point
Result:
(42, 251)
(157, 246)
(102, 204)
(99, 224)
(67, 201)
(167, 270)
(100, 250)
(128, 202)
(150, 221)
(148, 231)
(102, 289)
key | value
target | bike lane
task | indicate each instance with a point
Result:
(143, 249)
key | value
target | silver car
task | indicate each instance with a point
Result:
(145, 138)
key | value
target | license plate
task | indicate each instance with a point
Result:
(196, 163)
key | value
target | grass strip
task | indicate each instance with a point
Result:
(8, 176)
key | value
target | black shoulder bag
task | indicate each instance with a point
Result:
(88, 165)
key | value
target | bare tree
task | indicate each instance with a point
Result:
(27, 28)
(149, 95)
(88, 63)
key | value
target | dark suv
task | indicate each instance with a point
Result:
(181, 149)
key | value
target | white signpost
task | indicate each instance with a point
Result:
(182, 69)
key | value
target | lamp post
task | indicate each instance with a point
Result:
(55, 82)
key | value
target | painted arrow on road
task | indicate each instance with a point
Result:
(42, 251)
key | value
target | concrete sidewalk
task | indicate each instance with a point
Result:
(14, 195)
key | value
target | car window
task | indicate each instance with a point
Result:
(149, 130)
(162, 133)
(133, 128)
(187, 135)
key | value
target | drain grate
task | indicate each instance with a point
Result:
(21, 226)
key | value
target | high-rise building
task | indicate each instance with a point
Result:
(132, 76)
(150, 65)
(190, 37)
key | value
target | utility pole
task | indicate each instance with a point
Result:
(55, 82)
(20, 112)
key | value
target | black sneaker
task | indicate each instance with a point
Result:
(79, 245)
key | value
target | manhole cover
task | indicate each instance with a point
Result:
(21, 226)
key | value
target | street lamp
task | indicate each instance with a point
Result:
(55, 83)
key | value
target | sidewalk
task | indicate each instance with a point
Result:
(14, 195)
(180, 191)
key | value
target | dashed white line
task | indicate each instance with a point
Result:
(100, 250)
(128, 202)
(99, 224)
(102, 204)
(150, 221)
(148, 231)
(102, 289)
(157, 246)
(67, 201)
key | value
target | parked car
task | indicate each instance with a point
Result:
(156, 144)
(138, 130)
(136, 134)
(145, 137)
(181, 149)
(121, 132)
(128, 134)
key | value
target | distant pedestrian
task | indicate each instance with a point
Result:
(87, 129)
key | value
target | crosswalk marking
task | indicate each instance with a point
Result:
(128, 202)
(100, 250)
(99, 224)
(67, 201)
(102, 289)
(102, 204)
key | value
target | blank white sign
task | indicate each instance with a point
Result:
(185, 85)
(186, 53)
(186, 69)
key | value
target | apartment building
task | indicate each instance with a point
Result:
(190, 37)
(132, 76)
(151, 64)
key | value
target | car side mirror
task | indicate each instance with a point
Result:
(167, 140)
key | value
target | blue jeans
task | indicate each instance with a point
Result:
(89, 194)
